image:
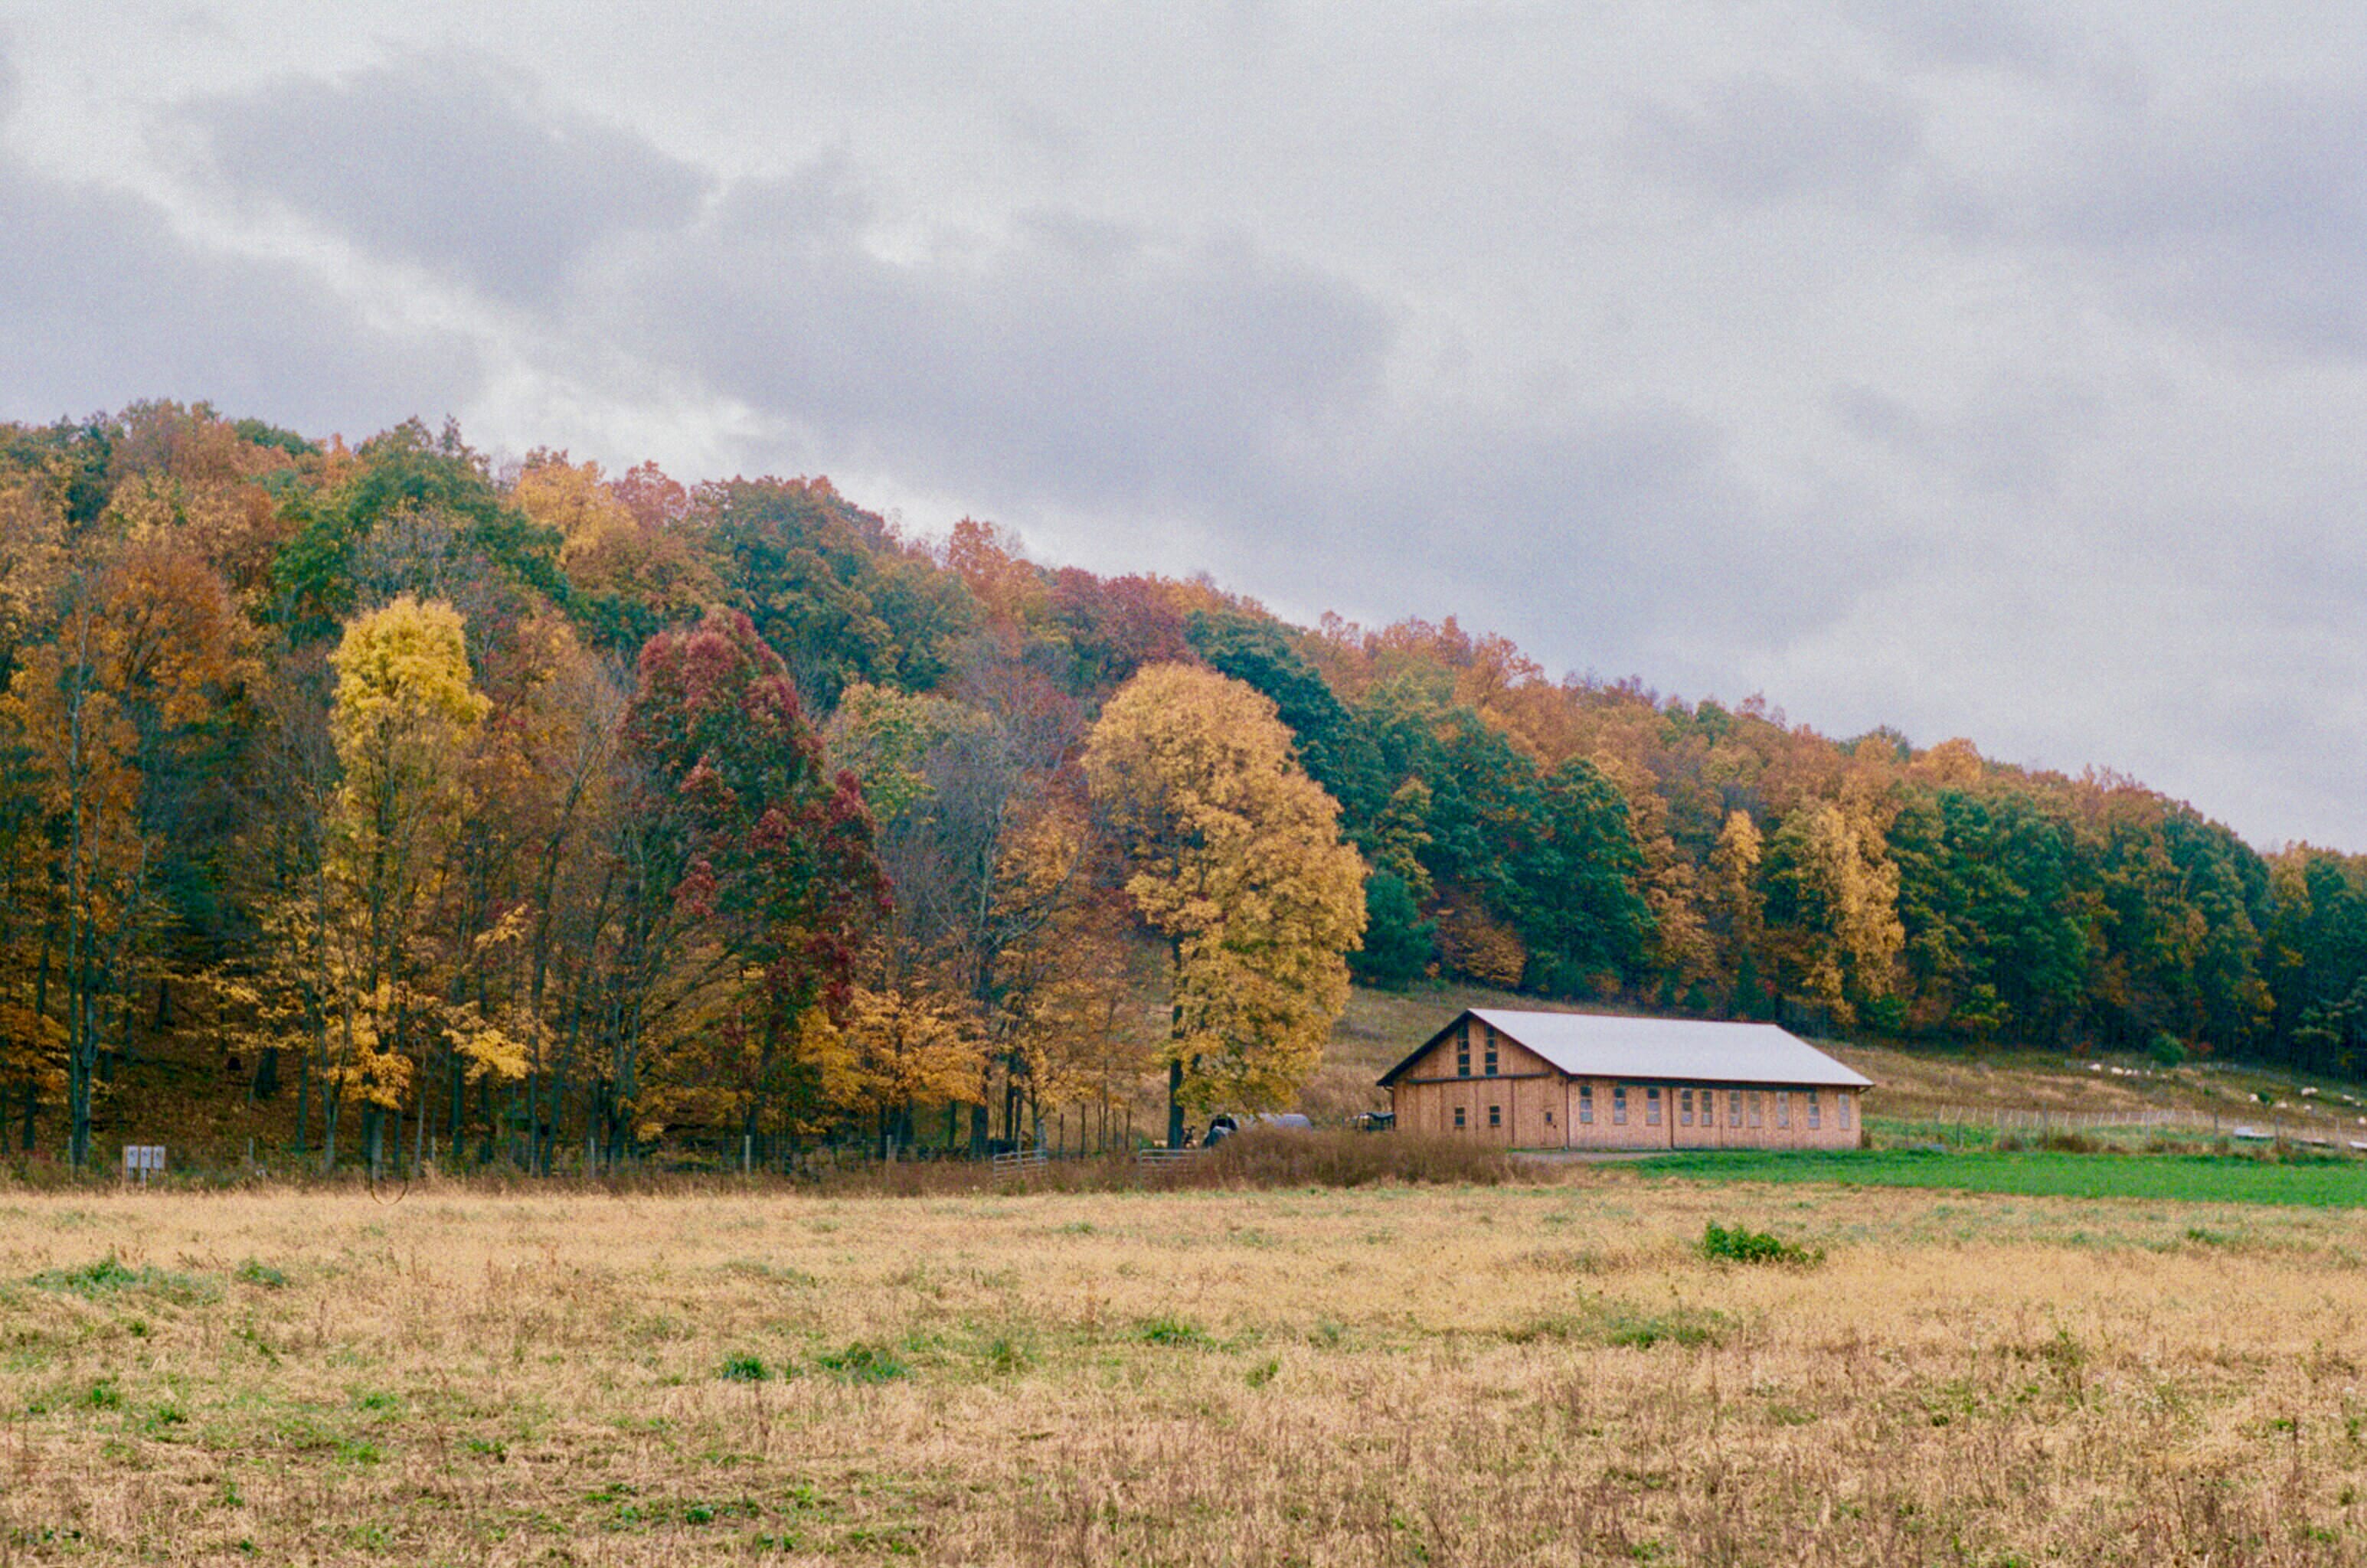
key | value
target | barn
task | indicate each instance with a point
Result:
(1589, 1081)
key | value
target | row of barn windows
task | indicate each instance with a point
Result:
(1463, 1053)
(1696, 1107)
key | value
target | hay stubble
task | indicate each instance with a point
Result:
(1388, 1375)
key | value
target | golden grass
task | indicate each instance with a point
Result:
(1445, 1375)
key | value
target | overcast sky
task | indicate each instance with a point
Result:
(1977, 369)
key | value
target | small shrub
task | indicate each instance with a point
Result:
(744, 1368)
(1742, 1245)
(252, 1272)
(2057, 1143)
(1264, 1372)
(1613, 1323)
(104, 1395)
(1678, 1325)
(91, 1279)
(1171, 1331)
(108, 1277)
(2166, 1050)
(860, 1362)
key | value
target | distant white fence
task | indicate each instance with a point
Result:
(1164, 1156)
(1027, 1159)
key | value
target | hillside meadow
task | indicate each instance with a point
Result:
(1548, 1372)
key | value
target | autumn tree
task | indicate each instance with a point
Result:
(631, 560)
(912, 1042)
(1736, 909)
(1832, 900)
(1234, 858)
(746, 830)
(836, 590)
(404, 711)
(105, 715)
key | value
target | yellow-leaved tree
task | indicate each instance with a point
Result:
(1832, 894)
(913, 1042)
(1071, 1020)
(1735, 907)
(405, 713)
(1233, 856)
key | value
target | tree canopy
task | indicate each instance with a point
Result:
(556, 813)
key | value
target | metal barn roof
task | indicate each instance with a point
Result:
(1596, 1046)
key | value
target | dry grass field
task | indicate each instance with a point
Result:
(1525, 1374)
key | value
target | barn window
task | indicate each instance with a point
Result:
(1619, 1105)
(1815, 1112)
(1492, 1053)
(1782, 1107)
(1495, 1116)
(1548, 1118)
(1685, 1108)
(1734, 1108)
(1463, 1057)
(1586, 1102)
(1842, 1104)
(1459, 1119)
(1754, 1108)
(1652, 1106)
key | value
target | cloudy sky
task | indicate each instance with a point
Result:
(1980, 368)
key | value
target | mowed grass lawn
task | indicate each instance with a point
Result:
(2210, 1179)
(1391, 1375)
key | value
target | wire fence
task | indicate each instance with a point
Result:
(2011, 1119)
(2250, 1128)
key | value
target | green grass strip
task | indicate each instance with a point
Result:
(2202, 1179)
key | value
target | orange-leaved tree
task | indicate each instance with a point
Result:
(1234, 857)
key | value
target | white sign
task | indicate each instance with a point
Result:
(142, 1158)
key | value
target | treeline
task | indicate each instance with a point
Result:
(548, 813)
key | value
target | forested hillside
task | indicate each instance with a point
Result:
(555, 814)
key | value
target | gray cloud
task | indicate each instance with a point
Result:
(102, 303)
(1085, 362)
(445, 160)
(2242, 211)
(1209, 385)
(1983, 367)
(1758, 139)
(1961, 33)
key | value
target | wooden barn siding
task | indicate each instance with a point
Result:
(1428, 1106)
(1526, 1087)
